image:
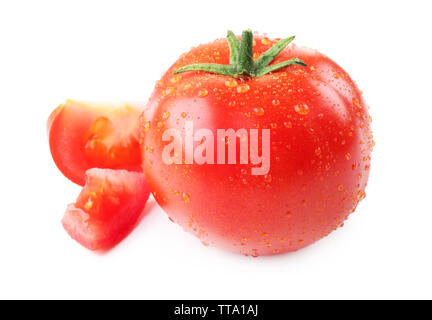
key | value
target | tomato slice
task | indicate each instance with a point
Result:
(107, 209)
(88, 135)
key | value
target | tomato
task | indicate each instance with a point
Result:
(107, 208)
(319, 135)
(86, 135)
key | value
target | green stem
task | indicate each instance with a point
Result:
(234, 45)
(245, 60)
(275, 67)
(272, 53)
(223, 69)
(241, 59)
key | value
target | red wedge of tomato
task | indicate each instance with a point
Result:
(87, 135)
(107, 208)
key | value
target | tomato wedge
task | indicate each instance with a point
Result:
(107, 209)
(87, 135)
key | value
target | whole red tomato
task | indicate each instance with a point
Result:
(319, 144)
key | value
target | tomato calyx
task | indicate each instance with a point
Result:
(242, 63)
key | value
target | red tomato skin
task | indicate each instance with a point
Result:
(67, 127)
(320, 151)
(107, 209)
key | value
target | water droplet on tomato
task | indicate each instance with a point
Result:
(166, 115)
(357, 103)
(360, 194)
(169, 91)
(176, 78)
(288, 124)
(231, 83)
(258, 111)
(301, 109)
(275, 102)
(243, 88)
(266, 41)
(186, 197)
(203, 93)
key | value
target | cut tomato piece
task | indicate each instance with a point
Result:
(89, 135)
(107, 208)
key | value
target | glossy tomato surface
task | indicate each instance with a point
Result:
(321, 144)
(107, 208)
(85, 135)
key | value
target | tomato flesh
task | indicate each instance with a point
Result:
(87, 135)
(107, 208)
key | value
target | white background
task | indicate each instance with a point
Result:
(116, 50)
